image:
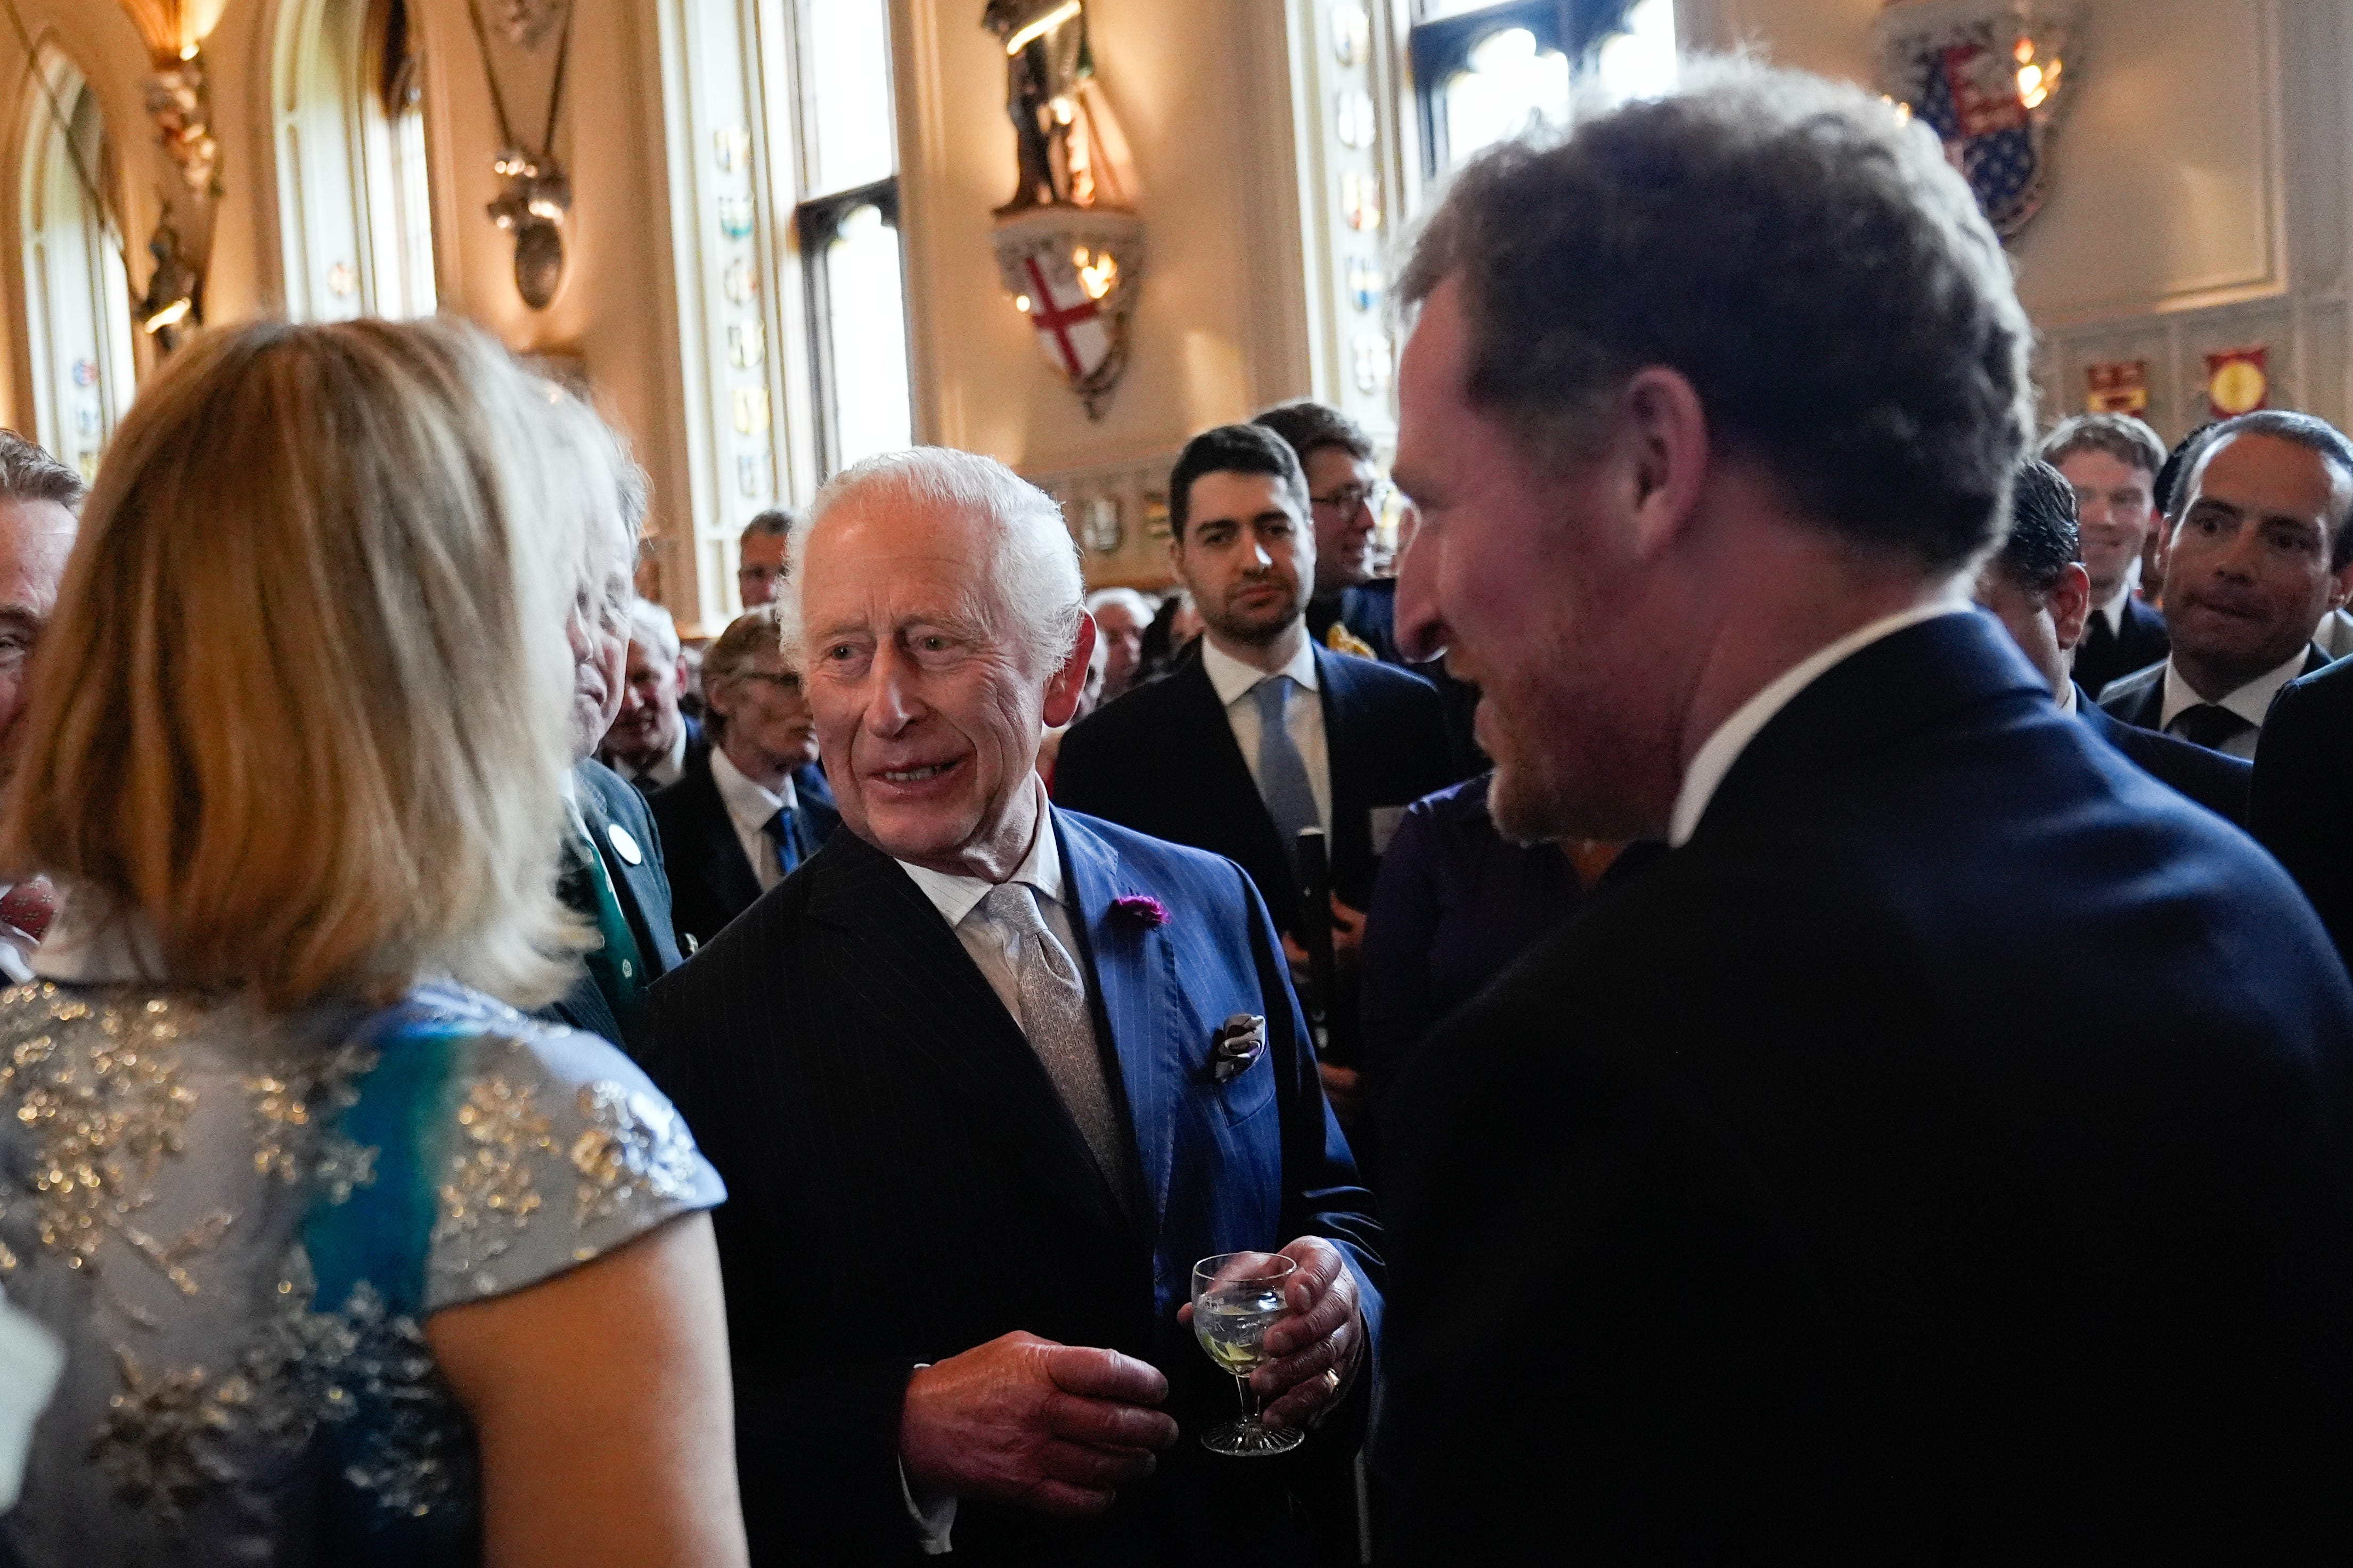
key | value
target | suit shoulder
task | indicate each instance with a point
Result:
(1158, 856)
(1375, 681)
(2127, 691)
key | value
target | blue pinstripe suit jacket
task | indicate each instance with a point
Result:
(905, 1183)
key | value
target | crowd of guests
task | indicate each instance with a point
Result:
(1780, 987)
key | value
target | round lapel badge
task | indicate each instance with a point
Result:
(624, 846)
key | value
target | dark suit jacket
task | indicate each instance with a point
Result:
(710, 881)
(1942, 1156)
(698, 748)
(2298, 810)
(2139, 698)
(905, 1183)
(1368, 610)
(2217, 782)
(643, 888)
(1162, 760)
(2143, 641)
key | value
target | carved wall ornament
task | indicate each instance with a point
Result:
(1992, 78)
(1070, 248)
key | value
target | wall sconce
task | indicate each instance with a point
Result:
(1991, 78)
(536, 198)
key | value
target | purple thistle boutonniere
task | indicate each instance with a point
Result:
(1142, 909)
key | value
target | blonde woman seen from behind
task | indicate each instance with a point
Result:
(354, 1263)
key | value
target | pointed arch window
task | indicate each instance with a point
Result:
(77, 299)
(354, 196)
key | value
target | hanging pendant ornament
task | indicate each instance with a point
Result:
(536, 199)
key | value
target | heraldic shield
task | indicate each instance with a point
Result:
(1987, 77)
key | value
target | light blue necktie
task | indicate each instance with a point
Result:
(1282, 771)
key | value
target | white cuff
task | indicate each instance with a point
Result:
(933, 1516)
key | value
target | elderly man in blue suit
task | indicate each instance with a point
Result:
(986, 1079)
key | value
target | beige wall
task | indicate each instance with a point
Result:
(2201, 201)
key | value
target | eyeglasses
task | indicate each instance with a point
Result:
(1348, 498)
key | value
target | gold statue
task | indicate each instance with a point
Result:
(1070, 149)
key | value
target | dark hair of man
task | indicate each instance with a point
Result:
(2044, 536)
(777, 523)
(1232, 449)
(29, 473)
(1311, 427)
(2312, 434)
(2120, 435)
(1812, 265)
(2168, 488)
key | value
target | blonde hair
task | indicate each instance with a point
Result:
(302, 705)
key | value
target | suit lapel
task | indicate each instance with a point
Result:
(718, 859)
(933, 1005)
(1130, 963)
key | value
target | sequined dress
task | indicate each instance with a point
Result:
(239, 1227)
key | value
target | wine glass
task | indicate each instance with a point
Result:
(1236, 1297)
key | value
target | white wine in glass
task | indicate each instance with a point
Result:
(1236, 1297)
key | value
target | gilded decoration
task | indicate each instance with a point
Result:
(490, 1191)
(633, 1147)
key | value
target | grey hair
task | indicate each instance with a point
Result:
(1137, 605)
(1038, 574)
(27, 472)
(1811, 265)
(653, 625)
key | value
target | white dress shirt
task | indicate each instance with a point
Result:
(2113, 611)
(2251, 701)
(2066, 700)
(1715, 757)
(750, 805)
(1302, 714)
(992, 949)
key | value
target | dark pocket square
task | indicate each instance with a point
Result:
(1240, 1040)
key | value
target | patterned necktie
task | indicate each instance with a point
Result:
(785, 839)
(2209, 725)
(1281, 772)
(1054, 1017)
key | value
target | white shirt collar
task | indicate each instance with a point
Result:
(955, 896)
(1233, 679)
(2066, 698)
(2112, 612)
(749, 804)
(1714, 759)
(2252, 702)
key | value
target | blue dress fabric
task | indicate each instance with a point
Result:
(238, 1226)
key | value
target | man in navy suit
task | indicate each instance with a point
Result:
(986, 1080)
(613, 876)
(754, 804)
(2111, 461)
(2039, 590)
(1941, 1152)
(2298, 808)
(1261, 734)
(2261, 549)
